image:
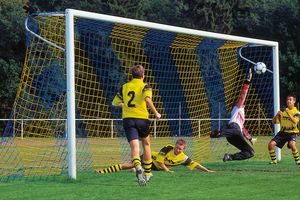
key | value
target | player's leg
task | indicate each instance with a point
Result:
(115, 168)
(247, 151)
(143, 127)
(278, 141)
(295, 152)
(147, 158)
(136, 161)
(134, 146)
(132, 137)
(239, 142)
(271, 148)
(230, 130)
(292, 145)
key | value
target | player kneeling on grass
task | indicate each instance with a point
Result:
(166, 158)
(288, 119)
(235, 132)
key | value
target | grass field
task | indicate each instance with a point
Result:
(235, 180)
(250, 179)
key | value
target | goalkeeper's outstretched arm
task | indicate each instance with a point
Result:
(245, 88)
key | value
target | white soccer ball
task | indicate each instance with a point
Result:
(260, 68)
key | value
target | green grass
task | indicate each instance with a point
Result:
(250, 179)
(233, 180)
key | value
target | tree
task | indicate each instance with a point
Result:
(264, 19)
(123, 8)
(210, 15)
(12, 29)
(165, 12)
(12, 51)
(9, 80)
(278, 21)
(60, 5)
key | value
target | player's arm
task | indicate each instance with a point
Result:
(245, 89)
(294, 119)
(152, 107)
(149, 102)
(194, 165)
(161, 157)
(118, 99)
(276, 118)
(201, 167)
(162, 166)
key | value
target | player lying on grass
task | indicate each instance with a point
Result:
(288, 119)
(235, 131)
(165, 159)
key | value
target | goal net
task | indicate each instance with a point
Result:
(196, 76)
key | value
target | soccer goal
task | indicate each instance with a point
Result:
(63, 121)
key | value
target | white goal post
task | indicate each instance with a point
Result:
(70, 65)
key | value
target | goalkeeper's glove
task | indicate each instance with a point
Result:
(253, 140)
(249, 76)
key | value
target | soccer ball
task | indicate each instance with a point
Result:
(260, 68)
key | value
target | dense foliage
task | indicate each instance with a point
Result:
(277, 20)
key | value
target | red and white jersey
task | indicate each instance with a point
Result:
(238, 111)
(238, 116)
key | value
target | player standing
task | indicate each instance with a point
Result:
(133, 98)
(288, 119)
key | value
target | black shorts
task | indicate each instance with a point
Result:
(232, 129)
(136, 128)
(281, 138)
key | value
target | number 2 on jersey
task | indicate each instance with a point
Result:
(131, 95)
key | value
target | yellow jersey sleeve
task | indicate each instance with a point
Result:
(147, 91)
(277, 120)
(118, 98)
(192, 165)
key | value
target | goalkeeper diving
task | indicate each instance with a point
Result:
(235, 131)
(168, 157)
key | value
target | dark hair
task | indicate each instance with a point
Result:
(137, 71)
(292, 95)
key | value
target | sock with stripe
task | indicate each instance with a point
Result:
(296, 156)
(136, 161)
(273, 157)
(111, 169)
(147, 167)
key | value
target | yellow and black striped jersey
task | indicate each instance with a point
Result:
(132, 95)
(166, 155)
(286, 125)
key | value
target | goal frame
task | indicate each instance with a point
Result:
(70, 66)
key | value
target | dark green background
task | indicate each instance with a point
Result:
(277, 20)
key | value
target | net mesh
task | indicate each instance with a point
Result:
(194, 79)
